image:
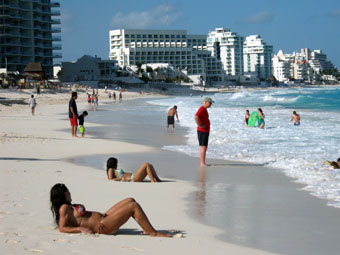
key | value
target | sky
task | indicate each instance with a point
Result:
(287, 25)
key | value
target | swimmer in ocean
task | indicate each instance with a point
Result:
(296, 117)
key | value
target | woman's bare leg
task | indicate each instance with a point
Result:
(154, 173)
(119, 205)
(121, 215)
(140, 174)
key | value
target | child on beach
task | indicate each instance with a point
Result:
(73, 218)
(81, 123)
(119, 175)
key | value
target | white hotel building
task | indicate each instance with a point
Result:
(176, 47)
(227, 47)
(257, 57)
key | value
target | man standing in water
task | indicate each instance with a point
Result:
(296, 118)
(73, 113)
(203, 128)
(171, 117)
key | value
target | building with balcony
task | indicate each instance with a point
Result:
(174, 47)
(257, 57)
(227, 47)
(29, 32)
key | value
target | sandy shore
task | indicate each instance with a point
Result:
(37, 152)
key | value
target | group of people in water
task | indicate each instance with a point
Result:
(73, 218)
(260, 118)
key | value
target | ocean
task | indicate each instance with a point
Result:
(298, 151)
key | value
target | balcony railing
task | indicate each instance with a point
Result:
(57, 55)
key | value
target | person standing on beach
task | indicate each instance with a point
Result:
(171, 117)
(203, 128)
(120, 96)
(296, 117)
(32, 103)
(73, 113)
(81, 123)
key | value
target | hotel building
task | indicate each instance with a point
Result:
(257, 57)
(227, 47)
(28, 30)
(175, 47)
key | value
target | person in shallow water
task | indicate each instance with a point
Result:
(73, 218)
(260, 121)
(333, 164)
(120, 175)
(246, 117)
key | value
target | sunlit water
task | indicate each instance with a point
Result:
(299, 151)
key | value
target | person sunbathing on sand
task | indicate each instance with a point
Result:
(73, 218)
(119, 175)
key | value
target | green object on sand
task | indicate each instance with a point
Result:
(253, 118)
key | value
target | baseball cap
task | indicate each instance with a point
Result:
(208, 99)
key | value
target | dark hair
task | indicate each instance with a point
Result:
(294, 112)
(261, 111)
(74, 94)
(57, 197)
(247, 111)
(32, 96)
(175, 106)
(85, 113)
(338, 160)
(111, 163)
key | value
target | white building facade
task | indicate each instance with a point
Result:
(227, 47)
(257, 57)
(175, 47)
(28, 30)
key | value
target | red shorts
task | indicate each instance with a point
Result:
(74, 121)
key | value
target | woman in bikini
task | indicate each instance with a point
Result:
(119, 175)
(260, 121)
(73, 218)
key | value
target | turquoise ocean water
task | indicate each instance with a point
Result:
(298, 151)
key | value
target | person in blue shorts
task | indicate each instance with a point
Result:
(120, 175)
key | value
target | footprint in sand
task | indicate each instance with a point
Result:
(35, 250)
(131, 248)
(63, 241)
(12, 241)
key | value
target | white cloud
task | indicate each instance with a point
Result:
(260, 18)
(158, 16)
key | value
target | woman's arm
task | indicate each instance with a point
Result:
(64, 218)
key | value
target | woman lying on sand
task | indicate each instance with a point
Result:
(73, 218)
(119, 175)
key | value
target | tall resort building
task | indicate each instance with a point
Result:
(227, 47)
(257, 57)
(175, 47)
(28, 30)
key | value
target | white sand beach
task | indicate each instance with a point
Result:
(38, 151)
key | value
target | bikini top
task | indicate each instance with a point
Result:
(120, 172)
(80, 209)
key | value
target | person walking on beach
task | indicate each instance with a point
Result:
(73, 113)
(32, 104)
(203, 128)
(114, 95)
(120, 96)
(81, 123)
(296, 118)
(171, 117)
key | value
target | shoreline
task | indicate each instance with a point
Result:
(34, 149)
(242, 180)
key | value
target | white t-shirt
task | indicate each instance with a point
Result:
(32, 102)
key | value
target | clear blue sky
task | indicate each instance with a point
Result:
(286, 24)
